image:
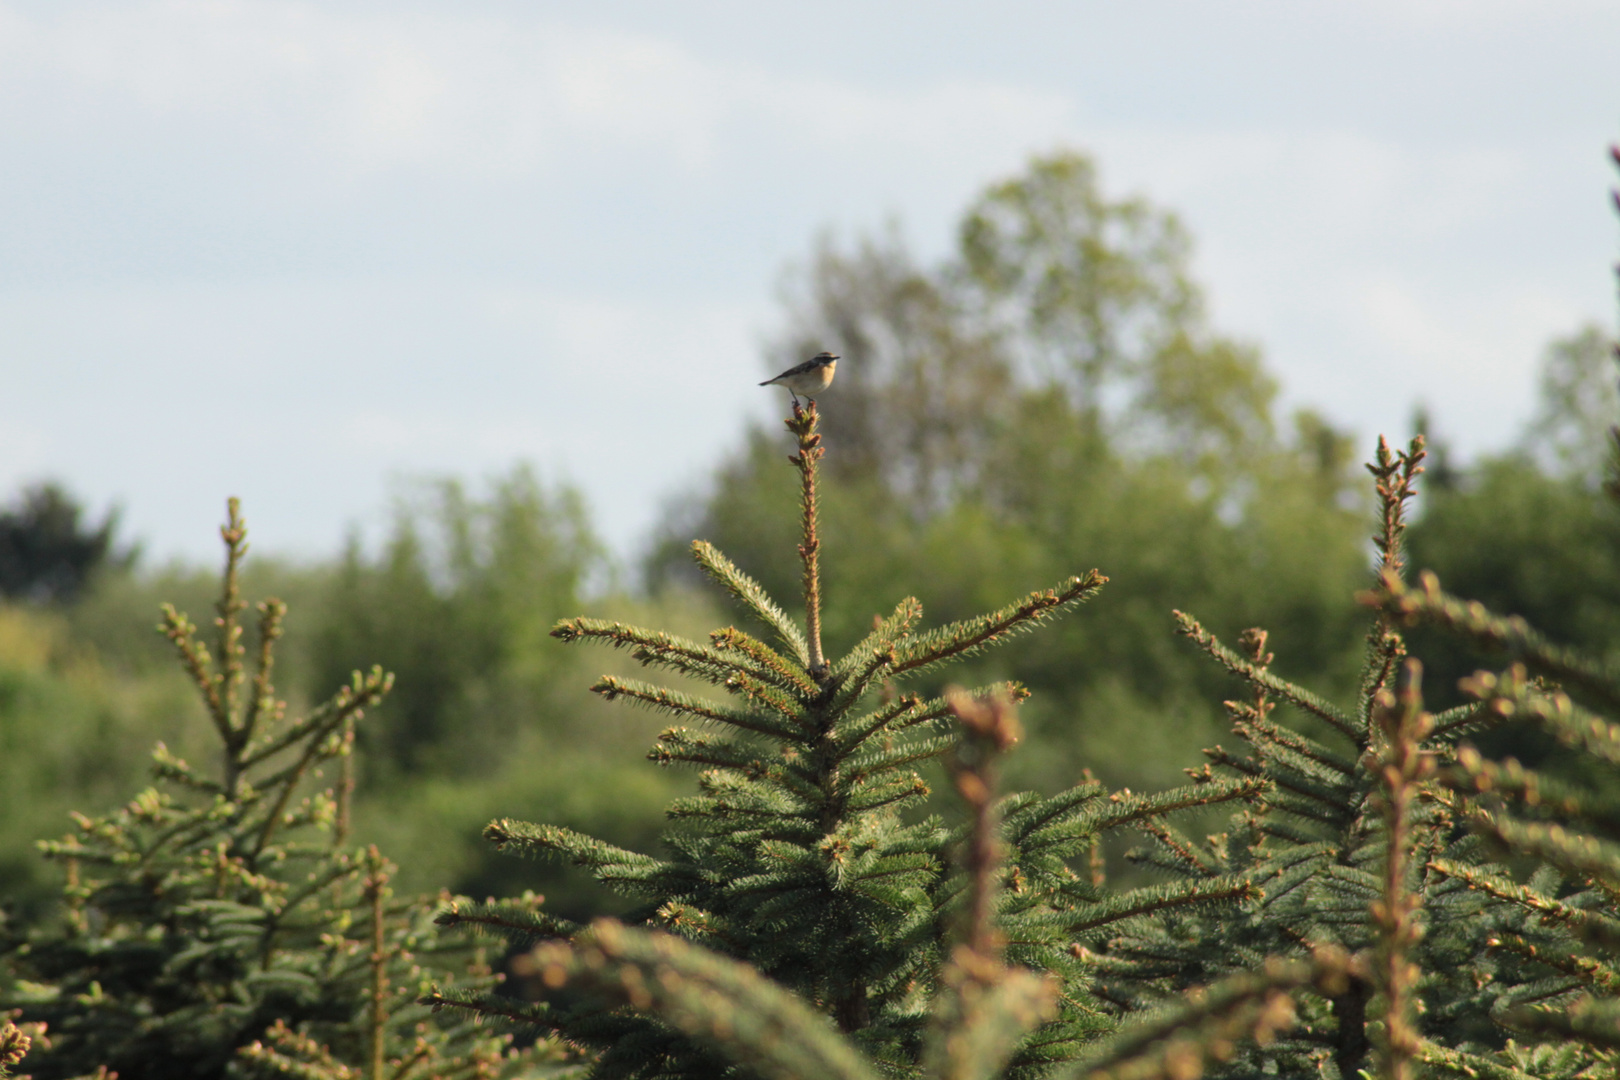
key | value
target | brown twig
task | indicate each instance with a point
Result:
(991, 730)
(1402, 767)
(376, 892)
(1395, 475)
(803, 426)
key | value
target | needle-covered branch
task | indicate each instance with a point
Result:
(1214, 1020)
(1511, 635)
(970, 636)
(754, 597)
(1258, 676)
(719, 1002)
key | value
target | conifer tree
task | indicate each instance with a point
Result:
(1552, 913)
(805, 852)
(1381, 830)
(1338, 840)
(983, 1008)
(220, 924)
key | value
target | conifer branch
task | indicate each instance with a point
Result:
(1460, 719)
(1578, 854)
(229, 647)
(784, 811)
(1275, 741)
(685, 745)
(523, 1016)
(263, 704)
(685, 705)
(722, 1003)
(199, 664)
(1180, 848)
(969, 636)
(1511, 635)
(1591, 926)
(1155, 898)
(1462, 1063)
(910, 711)
(168, 767)
(1248, 1005)
(906, 753)
(14, 1044)
(345, 786)
(363, 692)
(360, 693)
(1586, 970)
(790, 709)
(1403, 768)
(850, 689)
(1514, 695)
(655, 647)
(681, 745)
(731, 639)
(1532, 789)
(885, 633)
(803, 426)
(522, 922)
(866, 796)
(536, 841)
(1395, 480)
(1395, 475)
(852, 733)
(754, 597)
(1125, 808)
(1260, 678)
(1038, 822)
(1316, 801)
(1594, 1022)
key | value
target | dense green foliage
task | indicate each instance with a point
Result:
(1050, 397)
(805, 854)
(486, 717)
(219, 923)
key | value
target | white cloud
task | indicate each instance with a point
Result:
(463, 95)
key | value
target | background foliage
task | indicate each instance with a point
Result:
(1051, 395)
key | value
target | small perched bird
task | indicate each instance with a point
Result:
(809, 378)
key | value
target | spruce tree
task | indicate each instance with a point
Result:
(220, 923)
(1477, 898)
(808, 852)
(1336, 840)
(1550, 925)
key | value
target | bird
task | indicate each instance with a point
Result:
(809, 378)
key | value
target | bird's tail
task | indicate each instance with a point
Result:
(767, 382)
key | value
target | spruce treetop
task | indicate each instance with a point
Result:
(808, 851)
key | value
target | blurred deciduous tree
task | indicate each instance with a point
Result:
(460, 599)
(1580, 399)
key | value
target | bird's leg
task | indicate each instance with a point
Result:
(795, 399)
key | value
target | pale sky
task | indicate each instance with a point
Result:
(293, 251)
